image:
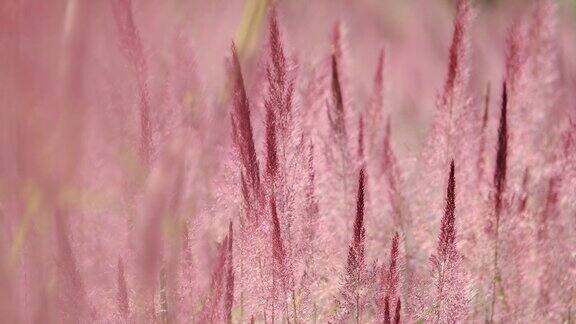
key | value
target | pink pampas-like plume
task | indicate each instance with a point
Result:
(446, 241)
(271, 145)
(278, 103)
(501, 155)
(312, 208)
(451, 302)
(456, 77)
(278, 250)
(393, 279)
(375, 109)
(386, 310)
(397, 312)
(499, 187)
(122, 298)
(337, 114)
(129, 36)
(242, 132)
(131, 44)
(391, 172)
(218, 305)
(280, 272)
(453, 99)
(280, 80)
(352, 292)
(389, 280)
(337, 111)
(356, 263)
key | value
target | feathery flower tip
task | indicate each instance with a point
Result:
(242, 127)
(502, 152)
(448, 230)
